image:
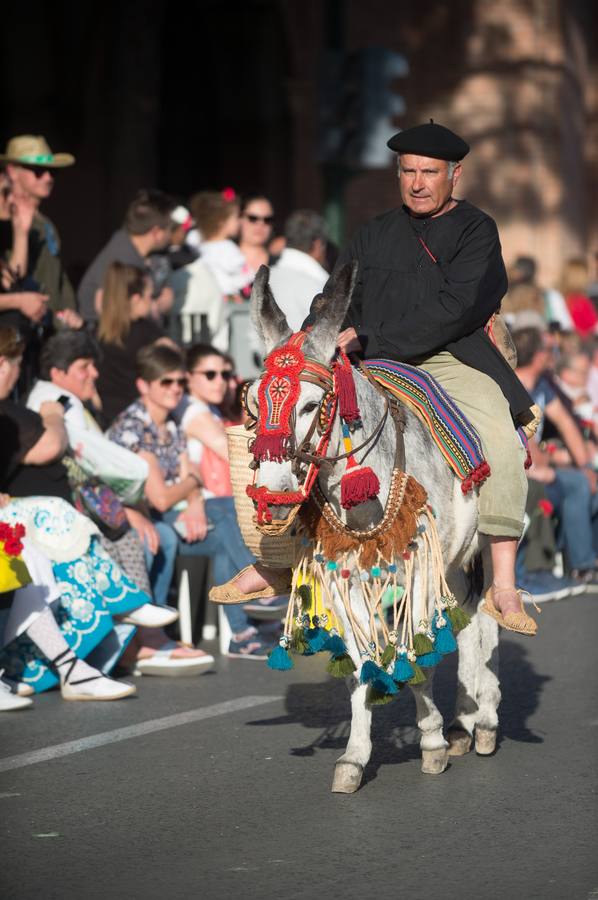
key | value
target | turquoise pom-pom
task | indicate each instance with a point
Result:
(331, 565)
(334, 644)
(375, 570)
(280, 659)
(384, 684)
(369, 670)
(429, 659)
(316, 638)
(445, 640)
(403, 669)
(377, 678)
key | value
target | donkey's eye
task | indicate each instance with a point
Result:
(310, 407)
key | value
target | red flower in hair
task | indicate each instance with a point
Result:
(5, 531)
(546, 508)
(18, 530)
(229, 194)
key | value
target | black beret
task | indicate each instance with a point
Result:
(431, 140)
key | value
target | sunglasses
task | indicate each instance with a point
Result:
(211, 374)
(168, 382)
(38, 171)
(267, 220)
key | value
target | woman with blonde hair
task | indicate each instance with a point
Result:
(125, 326)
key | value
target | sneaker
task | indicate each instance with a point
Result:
(273, 608)
(588, 578)
(544, 586)
(250, 648)
(150, 615)
(10, 701)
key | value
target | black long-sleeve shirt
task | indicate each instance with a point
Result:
(410, 302)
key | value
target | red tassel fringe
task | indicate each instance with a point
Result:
(270, 447)
(476, 477)
(358, 485)
(345, 390)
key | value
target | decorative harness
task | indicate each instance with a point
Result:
(286, 367)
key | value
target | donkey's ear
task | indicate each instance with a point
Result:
(268, 318)
(328, 311)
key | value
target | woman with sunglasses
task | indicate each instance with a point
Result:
(257, 217)
(210, 374)
(174, 487)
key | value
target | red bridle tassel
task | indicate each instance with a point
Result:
(345, 389)
(358, 485)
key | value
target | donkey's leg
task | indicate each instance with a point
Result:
(348, 770)
(349, 767)
(460, 731)
(429, 721)
(488, 688)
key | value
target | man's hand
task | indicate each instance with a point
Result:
(195, 521)
(145, 529)
(33, 305)
(70, 319)
(348, 341)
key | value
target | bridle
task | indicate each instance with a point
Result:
(309, 452)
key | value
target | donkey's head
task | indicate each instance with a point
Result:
(328, 311)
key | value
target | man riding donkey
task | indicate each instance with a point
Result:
(430, 278)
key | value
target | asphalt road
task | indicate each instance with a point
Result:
(200, 798)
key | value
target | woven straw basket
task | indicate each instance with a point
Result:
(277, 551)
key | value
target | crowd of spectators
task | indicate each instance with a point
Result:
(555, 332)
(114, 400)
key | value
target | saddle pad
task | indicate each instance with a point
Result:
(453, 434)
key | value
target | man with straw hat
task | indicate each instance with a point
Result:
(29, 164)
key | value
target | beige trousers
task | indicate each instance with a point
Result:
(502, 496)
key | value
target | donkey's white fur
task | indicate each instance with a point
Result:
(478, 692)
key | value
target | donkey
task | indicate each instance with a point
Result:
(478, 692)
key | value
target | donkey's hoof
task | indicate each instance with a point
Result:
(347, 778)
(434, 762)
(485, 741)
(459, 741)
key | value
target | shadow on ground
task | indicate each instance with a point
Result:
(324, 707)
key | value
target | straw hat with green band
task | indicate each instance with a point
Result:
(29, 150)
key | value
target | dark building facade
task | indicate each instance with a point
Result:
(213, 94)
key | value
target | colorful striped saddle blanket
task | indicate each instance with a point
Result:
(453, 434)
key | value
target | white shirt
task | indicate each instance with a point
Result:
(227, 264)
(42, 391)
(196, 292)
(295, 280)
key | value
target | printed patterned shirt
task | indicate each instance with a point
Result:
(135, 430)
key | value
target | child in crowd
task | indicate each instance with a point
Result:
(217, 218)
